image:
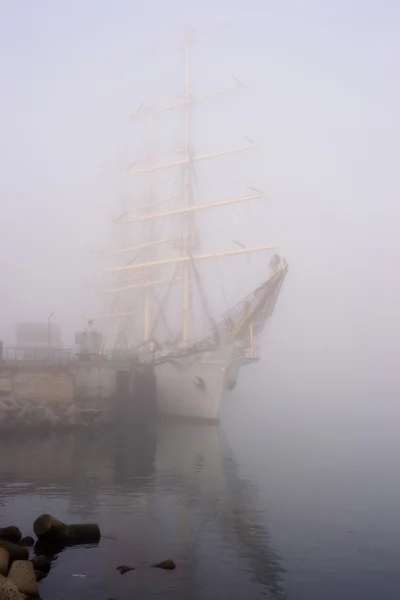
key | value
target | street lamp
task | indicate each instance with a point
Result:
(49, 332)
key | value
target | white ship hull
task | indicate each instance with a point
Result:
(193, 386)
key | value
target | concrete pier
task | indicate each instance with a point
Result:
(34, 394)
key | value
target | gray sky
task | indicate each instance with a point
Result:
(323, 102)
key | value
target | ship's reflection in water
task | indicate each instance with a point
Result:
(166, 492)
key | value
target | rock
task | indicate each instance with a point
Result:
(4, 561)
(23, 575)
(8, 590)
(86, 532)
(168, 564)
(125, 569)
(15, 551)
(49, 529)
(41, 563)
(11, 534)
(27, 541)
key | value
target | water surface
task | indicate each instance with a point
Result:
(248, 509)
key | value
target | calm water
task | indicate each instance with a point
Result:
(258, 507)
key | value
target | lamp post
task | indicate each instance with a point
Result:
(49, 332)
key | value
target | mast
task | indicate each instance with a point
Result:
(186, 259)
(123, 318)
(186, 237)
(149, 289)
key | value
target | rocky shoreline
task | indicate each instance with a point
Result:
(20, 575)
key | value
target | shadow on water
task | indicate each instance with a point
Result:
(158, 492)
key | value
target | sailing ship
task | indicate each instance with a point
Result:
(193, 371)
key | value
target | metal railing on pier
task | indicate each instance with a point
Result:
(45, 355)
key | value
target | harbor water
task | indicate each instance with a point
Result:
(254, 507)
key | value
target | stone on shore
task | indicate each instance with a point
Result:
(4, 561)
(27, 541)
(15, 551)
(11, 534)
(22, 574)
(8, 590)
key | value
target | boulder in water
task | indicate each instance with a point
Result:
(125, 569)
(168, 565)
(40, 575)
(41, 563)
(49, 529)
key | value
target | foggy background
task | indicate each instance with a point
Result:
(323, 103)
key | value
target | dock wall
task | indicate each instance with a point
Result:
(75, 393)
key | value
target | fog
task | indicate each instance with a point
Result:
(322, 102)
